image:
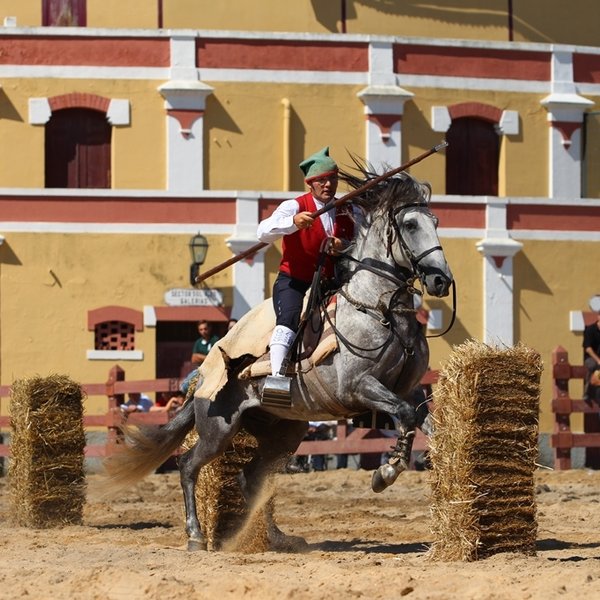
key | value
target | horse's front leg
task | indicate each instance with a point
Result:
(398, 462)
(377, 397)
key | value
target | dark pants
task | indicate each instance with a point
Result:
(589, 391)
(288, 297)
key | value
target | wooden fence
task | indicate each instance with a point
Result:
(349, 441)
(563, 439)
(355, 441)
(115, 389)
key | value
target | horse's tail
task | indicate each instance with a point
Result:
(146, 450)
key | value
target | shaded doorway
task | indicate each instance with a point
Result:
(472, 158)
(174, 343)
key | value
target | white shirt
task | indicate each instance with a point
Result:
(281, 222)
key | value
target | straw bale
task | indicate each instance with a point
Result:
(483, 452)
(46, 474)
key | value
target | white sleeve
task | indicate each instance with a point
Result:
(280, 223)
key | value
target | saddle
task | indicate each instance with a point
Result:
(250, 339)
(318, 342)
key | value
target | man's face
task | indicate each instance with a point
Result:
(324, 188)
(204, 330)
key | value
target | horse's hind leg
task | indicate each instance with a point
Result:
(275, 444)
(217, 434)
(189, 467)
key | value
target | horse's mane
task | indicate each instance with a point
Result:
(390, 194)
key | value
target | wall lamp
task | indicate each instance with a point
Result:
(198, 249)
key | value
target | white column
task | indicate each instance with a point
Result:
(185, 102)
(565, 115)
(498, 249)
(384, 106)
(248, 274)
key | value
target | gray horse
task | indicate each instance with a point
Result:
(382, 356)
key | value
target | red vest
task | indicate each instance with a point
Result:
(301, 249)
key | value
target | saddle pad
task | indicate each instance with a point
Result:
(326, 346)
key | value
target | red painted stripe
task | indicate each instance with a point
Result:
(118, 210)
(266, 207)
(98, 51)
(472, 62)
(553, 218)
(280, 55)
(462, 216)
(586, 68)
(466, 216)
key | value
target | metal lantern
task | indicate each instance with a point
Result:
(198, 248)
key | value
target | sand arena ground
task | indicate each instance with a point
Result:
(361, 544)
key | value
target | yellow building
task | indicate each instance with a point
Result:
(129, 127)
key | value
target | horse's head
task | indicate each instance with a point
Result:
(398, 208)
(414, 243)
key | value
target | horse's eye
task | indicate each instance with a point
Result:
(410, 225)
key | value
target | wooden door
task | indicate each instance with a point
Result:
(78, 149)
(64, 13)
(472, 158)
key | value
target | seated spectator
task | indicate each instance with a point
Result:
(170, 403)
(136, 402)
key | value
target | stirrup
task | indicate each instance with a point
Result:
(277, 391)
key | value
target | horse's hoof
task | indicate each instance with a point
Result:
(288, 543)
(377, 482)
(282, 542)
(196, 545)
(383, 478)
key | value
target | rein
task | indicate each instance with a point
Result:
(453, 315)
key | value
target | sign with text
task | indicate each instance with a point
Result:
(191, 297)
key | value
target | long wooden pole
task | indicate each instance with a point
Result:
(363, 188)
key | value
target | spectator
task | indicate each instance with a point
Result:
(136, 402)
(319, 430)
(231, 324)
(203, 344)
(591, 357)
(170, 403)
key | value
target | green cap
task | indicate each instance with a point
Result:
(318, 165)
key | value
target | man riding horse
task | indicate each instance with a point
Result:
(303, 242)
(381, 356)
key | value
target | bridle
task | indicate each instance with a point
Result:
(394, 228)
(394, 233)
(402, 277)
